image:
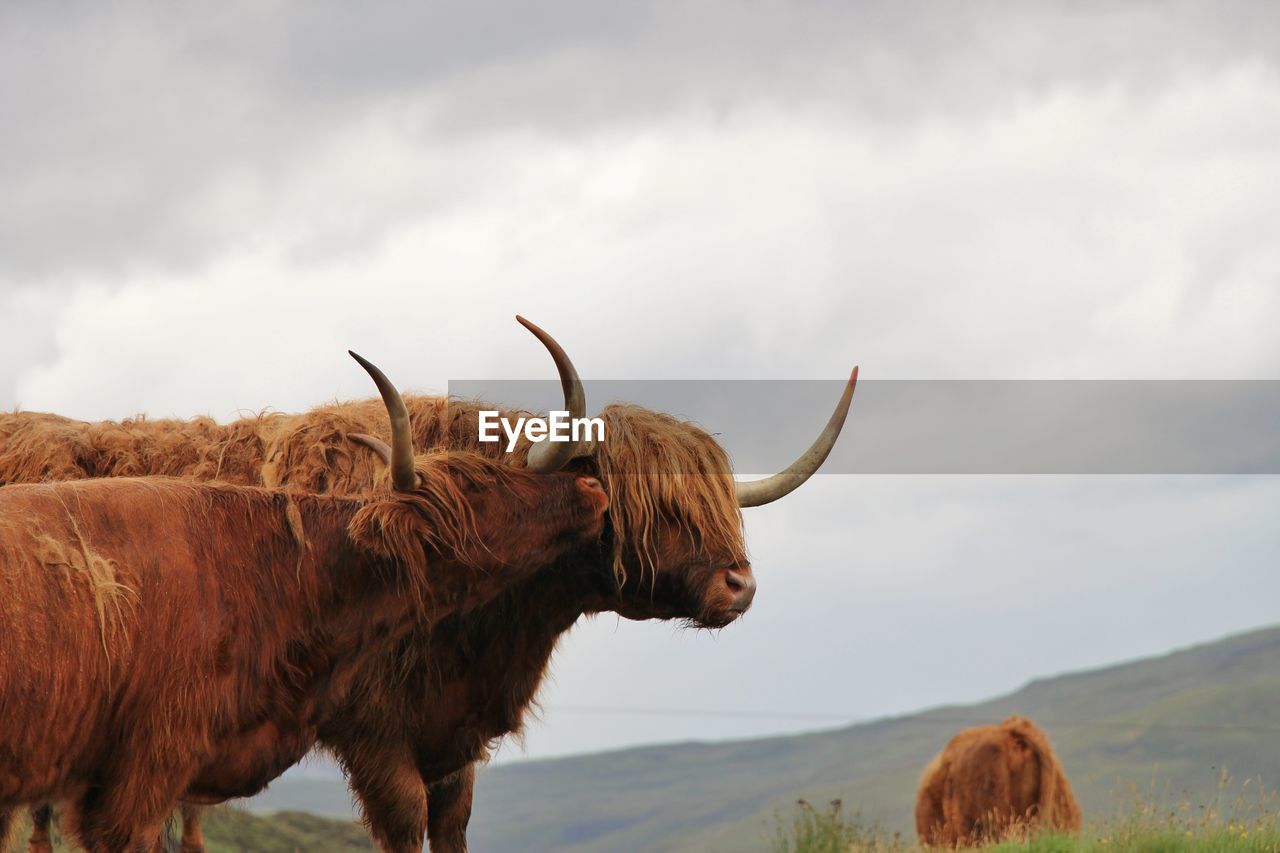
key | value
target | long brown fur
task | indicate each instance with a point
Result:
(37, 447)
(992, 782)
(674, 528)
(241, 639)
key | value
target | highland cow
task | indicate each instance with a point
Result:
(672, 549)
(993, 782)
(199, 634)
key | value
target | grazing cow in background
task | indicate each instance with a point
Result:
(159, 636)
(993, 781)
(672, 549)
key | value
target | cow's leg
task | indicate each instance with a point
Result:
(449, 811)
(393, 798)
(130, 807)
(165, 842)
(192, 836)
(115, 827)
(41, 822)
(7, 825)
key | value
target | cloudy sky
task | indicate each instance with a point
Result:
(203, 209)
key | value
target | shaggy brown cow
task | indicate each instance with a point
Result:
(193, 629)
(991, 781)
(673, 550)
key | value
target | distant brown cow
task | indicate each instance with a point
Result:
(156, 634)
(991, 781)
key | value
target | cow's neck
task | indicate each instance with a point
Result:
(343, 601)
(319, 574)
(307, 605)
(487, 665)
(359, 602)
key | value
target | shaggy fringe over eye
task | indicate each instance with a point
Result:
(434, 520)
(654, 466)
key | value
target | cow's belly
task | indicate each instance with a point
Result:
(246, 763)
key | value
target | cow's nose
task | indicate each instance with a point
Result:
(743, 587)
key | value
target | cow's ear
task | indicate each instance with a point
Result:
(413, 529)
(392, 529)
(387, 528)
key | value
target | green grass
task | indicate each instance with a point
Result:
(1154, 842)
(828, 830)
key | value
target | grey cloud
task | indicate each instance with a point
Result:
(27, 316)
(124, 125)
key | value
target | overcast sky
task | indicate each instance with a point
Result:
(203, 208)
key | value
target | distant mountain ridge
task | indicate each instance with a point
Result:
(1179, 716)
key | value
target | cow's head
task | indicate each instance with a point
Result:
(674, 535)
(466, 508)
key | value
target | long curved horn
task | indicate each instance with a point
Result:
(760, 492)
(403, 477)
(548, 456)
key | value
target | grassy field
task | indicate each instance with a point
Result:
(1237, 817)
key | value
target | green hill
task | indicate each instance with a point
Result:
(1179, 717)
(231, 830)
